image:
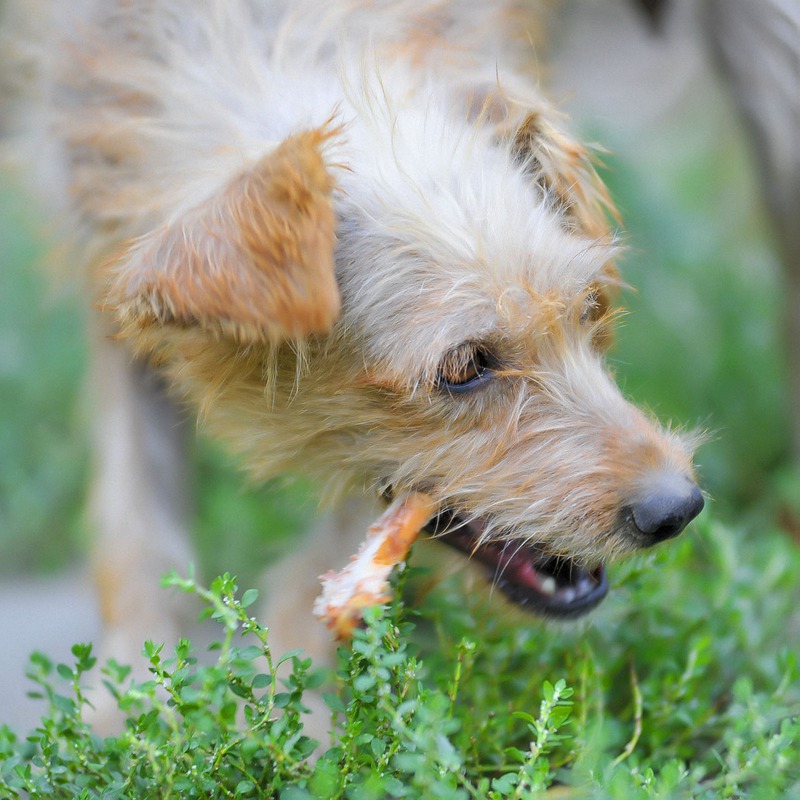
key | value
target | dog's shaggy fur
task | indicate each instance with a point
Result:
(361, 242)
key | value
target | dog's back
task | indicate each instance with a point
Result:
(134, 110)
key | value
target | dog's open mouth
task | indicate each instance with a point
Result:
(550, 585)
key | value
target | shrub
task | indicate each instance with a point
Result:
(685, 686)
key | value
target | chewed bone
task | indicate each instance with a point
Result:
(364, 582)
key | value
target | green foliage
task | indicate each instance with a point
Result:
(255, 522)
(42, 440)
(686, 685)
(703, 342)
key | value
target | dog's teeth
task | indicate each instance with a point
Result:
(568, 595)
(548, 585)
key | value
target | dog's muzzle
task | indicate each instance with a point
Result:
(548, 585)
(556, 585)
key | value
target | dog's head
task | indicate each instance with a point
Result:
(422, 302)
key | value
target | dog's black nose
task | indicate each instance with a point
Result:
(667, 508)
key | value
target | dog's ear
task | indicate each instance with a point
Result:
(566, 174)
(565, 171)
(254, 261)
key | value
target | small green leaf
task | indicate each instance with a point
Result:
(249, 653)
(296, 793)
(377, 746)
(249, 597)
(261, 681)
(334, 703)
(288, 656)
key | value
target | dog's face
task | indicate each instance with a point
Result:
(459, 351)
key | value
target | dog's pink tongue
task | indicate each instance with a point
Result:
(364, 582)
(521, 570)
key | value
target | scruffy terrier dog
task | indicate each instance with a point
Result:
(363, 245)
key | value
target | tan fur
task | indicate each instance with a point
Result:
(254, 261)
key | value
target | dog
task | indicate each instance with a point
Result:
(362, 245)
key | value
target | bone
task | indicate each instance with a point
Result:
(364, 582)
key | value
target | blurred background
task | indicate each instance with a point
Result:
(701, 345)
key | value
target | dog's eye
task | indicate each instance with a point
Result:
(465, 368)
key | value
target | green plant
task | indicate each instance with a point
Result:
(687, 685)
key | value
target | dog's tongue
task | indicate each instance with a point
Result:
(556, 586)
(549, 585)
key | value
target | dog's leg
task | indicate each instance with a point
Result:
(138, 502)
